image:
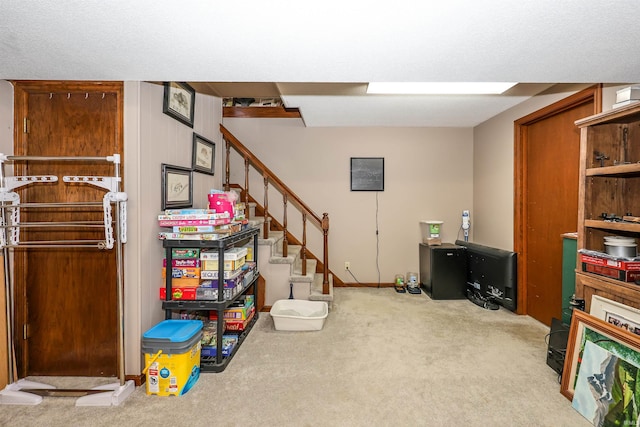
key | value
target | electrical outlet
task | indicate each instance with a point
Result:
(347, 265)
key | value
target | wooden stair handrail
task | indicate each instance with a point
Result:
(268, 175)
(244, 151)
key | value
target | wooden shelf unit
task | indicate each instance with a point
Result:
(261, 112)
(609, 184)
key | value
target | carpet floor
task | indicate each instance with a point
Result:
(381, 359)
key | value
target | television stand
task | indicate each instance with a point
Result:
(481, 301)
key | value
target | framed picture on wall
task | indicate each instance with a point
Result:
(203, 155)
(179, 102)
(367, 174)
(177, 187)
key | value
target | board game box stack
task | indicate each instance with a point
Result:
(195, 274)
(196, 224)
(602, 264)
(234, 326)
(236, 319)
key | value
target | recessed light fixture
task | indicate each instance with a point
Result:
(438, 88)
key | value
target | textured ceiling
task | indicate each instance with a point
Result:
(319, 56)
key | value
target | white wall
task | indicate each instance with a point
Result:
(153, 138)
(6, 117)
(428, 175)
(493, 164)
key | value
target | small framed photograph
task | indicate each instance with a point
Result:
(367, 174)
(587, 328)
(177, 187)
(617, 314)
(179, 102)
(204, 155)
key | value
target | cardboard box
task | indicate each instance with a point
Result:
(611, 263)
(185, 253)
(228, 274)
(622, 275)
(229, 341)
(183, 272)
(232, 282)
(187, 262)
(249, 253)
(628, 93)
(239, 325)
(232, 254)
(237, 313)
(228, 264)
(179, 294)
(228, 284)
(211, 294)
(196, 294)
(184, 282)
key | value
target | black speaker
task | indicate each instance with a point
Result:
(557, 348)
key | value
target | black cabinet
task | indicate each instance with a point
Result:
(443, 271)
(218, 362)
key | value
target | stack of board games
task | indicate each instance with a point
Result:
(195, 274)
(195, 224)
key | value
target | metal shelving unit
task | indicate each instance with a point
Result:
(241, 238)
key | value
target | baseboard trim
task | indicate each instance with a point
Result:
(364, 285)
(138, 380)
(267, 308)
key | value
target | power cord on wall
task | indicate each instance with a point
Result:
(377, 248)
(377, 242)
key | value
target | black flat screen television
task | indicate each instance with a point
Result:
(493, 273)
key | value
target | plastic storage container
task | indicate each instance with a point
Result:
(299, 315)
(431, 232)
(172, 356)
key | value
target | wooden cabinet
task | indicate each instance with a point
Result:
(609, 188)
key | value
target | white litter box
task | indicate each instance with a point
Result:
(299, 314)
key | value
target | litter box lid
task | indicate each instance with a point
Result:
(174, 330)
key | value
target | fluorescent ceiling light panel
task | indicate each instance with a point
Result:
(438, 88)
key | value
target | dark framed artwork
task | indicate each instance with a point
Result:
(177, 187)
(179, 102)
(204, 155)
(367, 174)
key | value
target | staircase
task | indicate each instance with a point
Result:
(286, 264)
(283, 274)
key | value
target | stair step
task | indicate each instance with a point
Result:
(275, 240)
(296, 274)
(316, 289)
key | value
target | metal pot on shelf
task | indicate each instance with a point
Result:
(619, 246)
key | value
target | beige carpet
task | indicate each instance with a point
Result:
(382, 359)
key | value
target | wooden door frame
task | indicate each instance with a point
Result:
(22, 90)
(593, 93)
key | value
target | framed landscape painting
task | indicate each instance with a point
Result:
(587, 328)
